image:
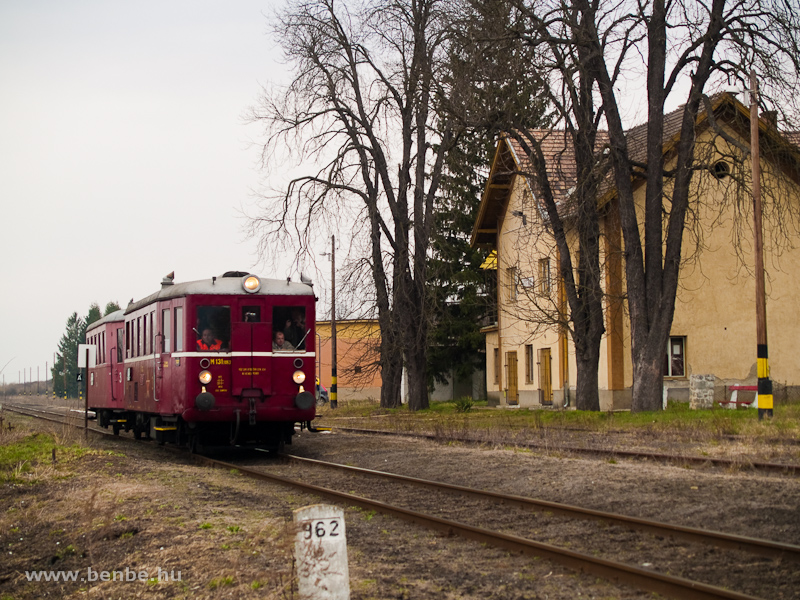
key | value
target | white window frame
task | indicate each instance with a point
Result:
(680, 340)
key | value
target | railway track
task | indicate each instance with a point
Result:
(636, 576)
(761, 547)
(614, 570)
(789, 469)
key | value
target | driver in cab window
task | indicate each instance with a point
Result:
(208, 341)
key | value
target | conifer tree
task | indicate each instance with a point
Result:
(65, 369)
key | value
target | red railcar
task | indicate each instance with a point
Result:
(199, 362)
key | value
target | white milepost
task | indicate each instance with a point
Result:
(320, 550)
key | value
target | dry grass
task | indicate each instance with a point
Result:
(105, 510)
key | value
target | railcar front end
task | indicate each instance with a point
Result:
(220, 362)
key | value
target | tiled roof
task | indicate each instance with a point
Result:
(560, 160)
(559, 157)
(637, 136)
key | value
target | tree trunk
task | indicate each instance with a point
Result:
(647, 388)
(417, 379)
(648, 349)
(416, 348)
(391, 374)
(587, 393)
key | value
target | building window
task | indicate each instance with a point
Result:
(544, 276)
(675, 359)
(497, 365)
(721, 169)
(512, 284)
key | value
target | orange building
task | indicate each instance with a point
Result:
(358, 358)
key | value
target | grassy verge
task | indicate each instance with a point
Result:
(678, 418)
(31, 457)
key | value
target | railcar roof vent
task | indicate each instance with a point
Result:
(169, 279)
(237, 274)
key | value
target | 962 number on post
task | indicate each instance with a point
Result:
(321, 529)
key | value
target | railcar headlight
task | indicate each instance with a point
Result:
(251, 284)
(205, 377)
(298, 377)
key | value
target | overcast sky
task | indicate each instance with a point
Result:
(124, 154)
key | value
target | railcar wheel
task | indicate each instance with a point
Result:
(276, 450)
(137, 434)
(195, 447)
(115, 428)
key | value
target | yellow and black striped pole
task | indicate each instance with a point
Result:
(764, 382)
(334, 395)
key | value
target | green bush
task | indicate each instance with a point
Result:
(464, 404)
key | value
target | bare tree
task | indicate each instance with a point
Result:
(674, 47)
(565, 165)
(361, 108)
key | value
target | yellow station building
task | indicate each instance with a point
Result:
(530, 356)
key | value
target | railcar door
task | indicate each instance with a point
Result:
(162, 353)
(251, 343)
(117, 367)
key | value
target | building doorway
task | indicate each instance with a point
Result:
(545, 377)
(512, 393)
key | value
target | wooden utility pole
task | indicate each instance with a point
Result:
(334, 396)
(764, 382)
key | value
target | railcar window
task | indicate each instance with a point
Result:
(144, 336)
(138, 343)
(213, 330)
(291, 322)
(120, 342)
(152, 332)
(251, 314)
(178, 329)
(165, 328)
(127, 339)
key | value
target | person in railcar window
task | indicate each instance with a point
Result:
(208, 341)
(295, 328)
(217, 320)
(279, 342)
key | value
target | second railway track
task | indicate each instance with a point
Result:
(786, 468)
